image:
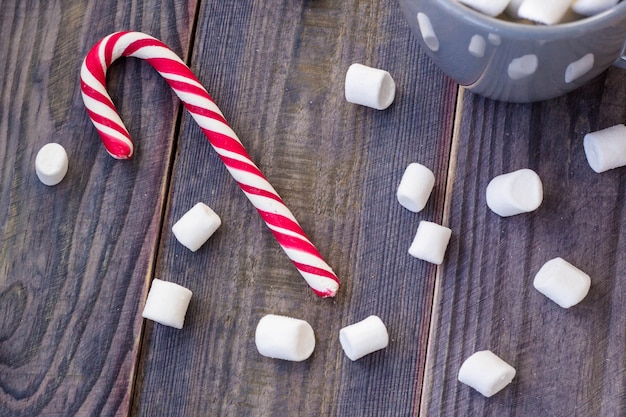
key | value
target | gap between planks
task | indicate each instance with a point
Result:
(165, 192)
(454, 145)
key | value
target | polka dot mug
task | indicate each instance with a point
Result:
(512, 61)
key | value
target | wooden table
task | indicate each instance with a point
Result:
(76, 259)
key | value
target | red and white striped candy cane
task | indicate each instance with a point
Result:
(205, 112)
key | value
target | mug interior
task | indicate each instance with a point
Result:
(533, 31)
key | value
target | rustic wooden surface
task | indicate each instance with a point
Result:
(76, 259)
(569, 362)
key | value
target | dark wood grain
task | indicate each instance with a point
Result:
(75, 259)
(277, 69)
(568, 361)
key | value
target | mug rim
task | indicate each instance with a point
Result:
(493, 24)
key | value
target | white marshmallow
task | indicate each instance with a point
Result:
(286, 338)
(562, 282)
(362, 338)
(517, 192)
(430, 242)
(51, 164)
(592, 7)
(167, 303)
(196, 226)
(606, 148)
(369, 87)
(486, 373)
(512, 9)
(542, 11)
(415, 187)
(488, 7)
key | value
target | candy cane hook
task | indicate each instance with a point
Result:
(205, 112)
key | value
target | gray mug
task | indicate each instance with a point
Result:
(512, 61)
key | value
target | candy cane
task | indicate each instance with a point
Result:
(205, 112)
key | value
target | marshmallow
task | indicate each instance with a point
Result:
(369, 87)
(512, 9)
(286, 338)
(415, 187)
(196, 226)
(51, 164)
(562, 282)
(430, 242)
(546, 12)
(362, 338)
(167, 303)
(488, 7)
(592, 7)
(517, 192)
(606, 149)
(486, 373)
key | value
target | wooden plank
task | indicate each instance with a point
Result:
(276, 68)
(75, 258)
(567, 361)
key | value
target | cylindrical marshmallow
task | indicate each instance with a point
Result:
(430, 242)
(286, 338)
(371, 87)
(415, 187)
(517, 192)
(606, 148)
(489, 7)
(362, 338)
(51, 164)
(546, 12)
(512, 9)
(486, 373)
(592, 7)
(167, 303)
(196, 226)
(562, 282)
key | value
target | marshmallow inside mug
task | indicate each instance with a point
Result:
(516, 62)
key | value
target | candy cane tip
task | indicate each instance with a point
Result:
(120, 157)
(117, 149)
(328, 292)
